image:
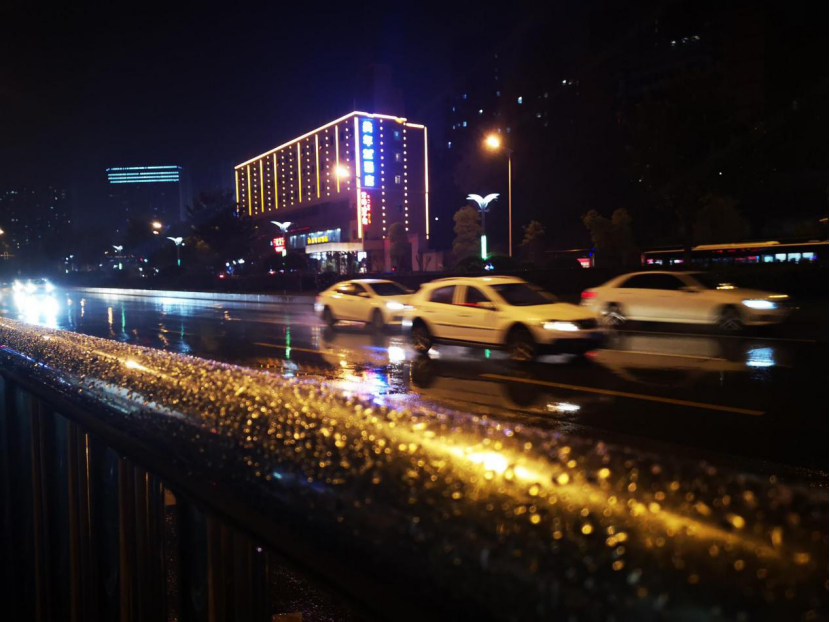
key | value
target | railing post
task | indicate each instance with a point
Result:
(42, 516)
(127, 541)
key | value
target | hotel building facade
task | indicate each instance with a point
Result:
(342, 187)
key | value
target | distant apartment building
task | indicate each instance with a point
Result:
(342, 187)
(33, 219)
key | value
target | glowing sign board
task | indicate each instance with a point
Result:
(365, 208)
(367, 143)
(279, 244)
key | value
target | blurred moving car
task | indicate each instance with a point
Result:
(499, 312)
(373, 301)
(33, 286)
(685, 297)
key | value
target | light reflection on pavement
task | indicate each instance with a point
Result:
(749, 396)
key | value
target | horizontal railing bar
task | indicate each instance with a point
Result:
(418, 511)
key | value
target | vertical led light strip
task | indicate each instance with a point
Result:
(426, 182)
(317, 162)
(261, 190)
(299, 173)
(236, 177)
(357, 177)
(337, 158)
(248, 188)
(276, 186)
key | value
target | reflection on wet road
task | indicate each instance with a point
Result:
(752, 396)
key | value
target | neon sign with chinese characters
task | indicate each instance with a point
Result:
(367, 152)
(279, 244)
(365, 208)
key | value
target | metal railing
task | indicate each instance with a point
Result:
(143, 485)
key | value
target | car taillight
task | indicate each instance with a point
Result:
(588, 294)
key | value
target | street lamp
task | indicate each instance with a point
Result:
(157, 226)
(118, 248)
(483, 205)
(341, 171)
(178, 243)
(493, 143)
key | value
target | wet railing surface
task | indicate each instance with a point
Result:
(443, 515)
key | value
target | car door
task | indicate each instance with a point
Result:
(638, 297)
(362, 303)
(669, 300)
(439, 312)
(475, 315)
(344, 301)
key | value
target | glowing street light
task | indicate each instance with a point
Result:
(341, 171)
(118, 248)
(178, 242)
(483, 206)
(494, 143)
(157, 226)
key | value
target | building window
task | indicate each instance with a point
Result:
(397, 134)
(520, 100)
(464, 124)
(398, 156)
(449, 144)
(397, 179)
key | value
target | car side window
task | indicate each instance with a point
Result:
(347, 288)
(359, 289)
(653, 281)
(638, 281)
(473, 297)
(668, 281)
(443, 295)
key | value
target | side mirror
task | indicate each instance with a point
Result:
(486, 305)
(363, 294)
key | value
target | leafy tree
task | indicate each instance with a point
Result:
(613, 239)
(467, 232)
(399, 247)
(218, 231)
(532, 246)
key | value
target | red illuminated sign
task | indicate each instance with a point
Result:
(365, 208)
(279, 244)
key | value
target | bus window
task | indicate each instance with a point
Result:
(768, 258)
(780, 256)
(793, 256)
(808, 256)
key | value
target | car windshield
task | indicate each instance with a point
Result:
(523, 295)
(388, 288)
(710, 280)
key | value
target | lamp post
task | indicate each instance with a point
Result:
(493, 143)
(483, 205)
(178, 243)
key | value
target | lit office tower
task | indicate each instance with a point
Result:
(342, 187)
(148, 193)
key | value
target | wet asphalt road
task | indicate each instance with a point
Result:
(760, 396)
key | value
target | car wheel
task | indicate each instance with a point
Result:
(328, 317)
(520, 345)
(730, 320)
(613, 315)
(421, 339)
(377, 321)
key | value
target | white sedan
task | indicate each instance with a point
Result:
(372, 301)
(683, 297)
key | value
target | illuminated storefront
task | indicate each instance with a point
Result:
(346, 183)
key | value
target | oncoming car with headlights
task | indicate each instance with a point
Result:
(33, 286)
(684, 297)
(501, 313)
(375, 302)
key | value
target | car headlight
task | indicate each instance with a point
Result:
(760, 304)
(567, 327)
(49, 287)
(395, 306)
(318, 307)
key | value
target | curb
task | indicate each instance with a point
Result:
(269, 299)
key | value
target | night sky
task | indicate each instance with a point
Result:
(204, 86)
(210, 85)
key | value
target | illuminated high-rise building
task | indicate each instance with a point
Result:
(148, 193)
(342, 187)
